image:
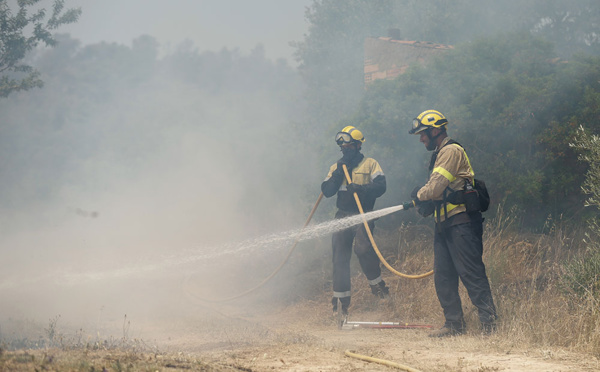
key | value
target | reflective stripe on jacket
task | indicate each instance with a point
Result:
(450, 169)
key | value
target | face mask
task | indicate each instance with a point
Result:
(349, 152)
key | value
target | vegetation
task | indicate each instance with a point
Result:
(526, 276)
(514, 112)
(111, 111)
(20, 33)
(582, 274)
(514, 98)
(331, 53)
(515, 89)
(515, 101)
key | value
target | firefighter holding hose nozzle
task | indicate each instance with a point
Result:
(368, 182)
(458, 242)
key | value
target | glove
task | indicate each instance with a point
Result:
(413, 194)
(339, 171)
(426, 208)
(354, 188)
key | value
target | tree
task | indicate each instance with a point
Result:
(20, 33)
(582, 274)
(511, 103)
(331, 59)
(331, 55)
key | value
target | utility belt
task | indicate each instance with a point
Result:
(451, 199)
(467, 196)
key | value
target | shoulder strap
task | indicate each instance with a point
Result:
(452, 142)
(435, 153)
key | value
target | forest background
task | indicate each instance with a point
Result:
(515, 89)
(201, 146)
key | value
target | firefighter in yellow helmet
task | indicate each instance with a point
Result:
(368, 182)
(458, 244)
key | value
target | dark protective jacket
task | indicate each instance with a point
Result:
(367, 173)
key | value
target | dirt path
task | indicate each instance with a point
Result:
(304, 338)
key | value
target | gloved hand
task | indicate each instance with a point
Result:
(426, 208)
(339, 171)
(354, 188)
(413, 194)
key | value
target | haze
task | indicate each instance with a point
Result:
(168, 132)
(210, 25)
(129, 159)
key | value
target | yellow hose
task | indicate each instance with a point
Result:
(314, 209)
(362, 213)
(380, 361)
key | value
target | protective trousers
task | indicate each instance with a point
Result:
(458, 254)
(342, 253)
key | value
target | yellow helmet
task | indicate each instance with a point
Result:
(426, 120)
(348, 135)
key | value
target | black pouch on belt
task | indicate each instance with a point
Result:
(471, 197)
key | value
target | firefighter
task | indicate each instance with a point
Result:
(368, 182)
(458, 244)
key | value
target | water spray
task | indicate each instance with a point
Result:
(370, 234)
(306, 234)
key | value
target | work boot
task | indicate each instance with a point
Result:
(380, 290)
(446, 331)
(340, 315)
(345, 301)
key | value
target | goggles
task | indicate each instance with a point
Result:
(417, 127)
(416, 123)
(343, 138)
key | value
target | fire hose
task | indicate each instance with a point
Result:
(370, 234)
(380, 361)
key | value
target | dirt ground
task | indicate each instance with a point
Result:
(300, 337)
(304, 337)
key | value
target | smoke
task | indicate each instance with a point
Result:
(122, 175)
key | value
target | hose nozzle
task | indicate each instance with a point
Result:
(408, 205)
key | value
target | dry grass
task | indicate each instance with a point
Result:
(86, 360)
(526, 274)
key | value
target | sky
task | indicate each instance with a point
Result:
(209, 24)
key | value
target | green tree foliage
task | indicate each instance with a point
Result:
(511, 103)
(588, 147)
(573, 26)
(110, 110)
(331, 53)
(582, 275)
(20, 32)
